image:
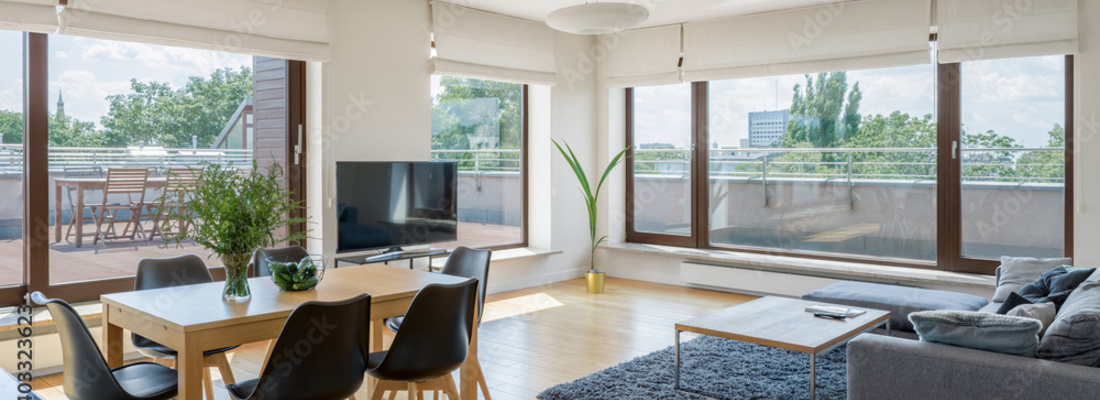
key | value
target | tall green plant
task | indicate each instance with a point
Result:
(590, 194)
(233, 213)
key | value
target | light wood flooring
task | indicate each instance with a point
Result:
(538, 337)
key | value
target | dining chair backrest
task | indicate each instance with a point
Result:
(434, 338)
(155, 273)
(470, 263)
(128, 181)
(321, 352)
(85, 372)
(182, 180)
(289, 253)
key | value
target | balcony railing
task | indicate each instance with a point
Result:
(910, 164)
(11, 157)
(482, 161)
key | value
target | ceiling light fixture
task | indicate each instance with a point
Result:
(597, 18)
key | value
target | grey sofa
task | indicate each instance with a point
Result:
(882, 367)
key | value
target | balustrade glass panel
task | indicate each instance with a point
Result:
(479, 124)
(1013, 157)
(839, 162)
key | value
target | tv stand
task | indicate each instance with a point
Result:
(394, 254)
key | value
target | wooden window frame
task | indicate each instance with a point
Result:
(948, 191)
(36, 181)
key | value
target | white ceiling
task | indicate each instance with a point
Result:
(661, 12)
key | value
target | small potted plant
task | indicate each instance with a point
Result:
(232, 214)
(594, 278)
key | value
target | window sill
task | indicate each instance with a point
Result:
(90, 312)
(508, 254)
(806, 266)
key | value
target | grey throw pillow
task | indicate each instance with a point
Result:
(1044, 312)
(1015, 272)
(1074, 336)
(978, 330)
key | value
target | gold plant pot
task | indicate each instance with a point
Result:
(595, 279)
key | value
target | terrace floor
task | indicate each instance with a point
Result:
(69, 263)
(541, 336)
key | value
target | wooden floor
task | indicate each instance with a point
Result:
(535, 338)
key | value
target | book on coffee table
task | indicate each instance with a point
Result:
(850, 312)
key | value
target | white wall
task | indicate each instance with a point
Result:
(376, 106)
(1086, 225)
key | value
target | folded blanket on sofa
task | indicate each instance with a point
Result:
(1056, 284)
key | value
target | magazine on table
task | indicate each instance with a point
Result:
(823, 309)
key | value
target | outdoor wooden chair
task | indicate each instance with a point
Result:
(165, 211)
(121, 181)
(79, 171)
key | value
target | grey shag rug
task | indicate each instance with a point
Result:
(713, 368)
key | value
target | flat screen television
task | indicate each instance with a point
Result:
(386, 205)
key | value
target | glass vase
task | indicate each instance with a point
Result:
(236, 278)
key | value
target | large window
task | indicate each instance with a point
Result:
(482, 126)
(73, 110)
(948, 166)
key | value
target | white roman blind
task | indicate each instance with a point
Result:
(289, 29)
(482, 45)
(641, 57)
(38, 16)
(971, 30)
(834, 36)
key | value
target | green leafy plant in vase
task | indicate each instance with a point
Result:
(232, 213)
(594, 277)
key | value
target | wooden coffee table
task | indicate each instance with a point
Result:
(783, 323)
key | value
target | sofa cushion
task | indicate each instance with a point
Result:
(977, 330)
(1015, 272)
(898, 300)
(1044, 312)
(1074, 337)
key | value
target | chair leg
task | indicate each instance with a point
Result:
(393, 395)
(224, 368)
(207, 383)
(452, 390)
(414, 392)
(481, 383)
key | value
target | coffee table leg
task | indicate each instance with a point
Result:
(812, 383)
(887, 327)
(677, 352)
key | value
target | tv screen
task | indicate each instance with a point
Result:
(386, 205)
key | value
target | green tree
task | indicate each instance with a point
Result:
(993, 165)
(1045, 166)
(823, 112)
(473, 114)
(155, 114)
(71, 132)
(11, 126)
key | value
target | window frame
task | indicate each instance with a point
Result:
(948, 189)
(36, 182)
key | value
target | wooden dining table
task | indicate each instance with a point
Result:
(193, 318)
(80, 185)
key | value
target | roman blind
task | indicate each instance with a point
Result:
(38, 16)
(835, 36)
(972, 30)
(482, 45)
(641, 57)
(289, 29)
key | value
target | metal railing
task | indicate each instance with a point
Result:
(851, 164)
(480, 161)
(11, 157)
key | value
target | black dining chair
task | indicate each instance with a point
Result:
(433, 341)
(320, 354)
(289, 253)
(466, 263)
(189, 269)
(86, 375)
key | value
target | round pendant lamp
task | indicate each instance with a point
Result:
(597, 18)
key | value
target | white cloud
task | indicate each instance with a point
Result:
(85, 94)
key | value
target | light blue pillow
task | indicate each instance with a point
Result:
(1017, 336)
